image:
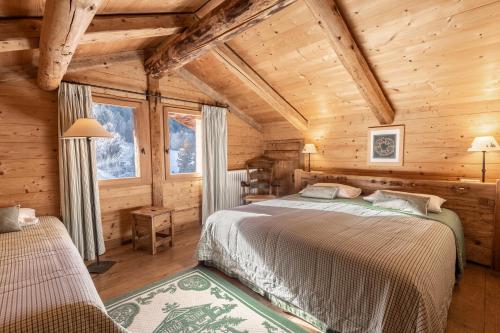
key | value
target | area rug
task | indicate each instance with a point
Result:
(197, 300)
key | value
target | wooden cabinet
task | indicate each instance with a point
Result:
(155, 224)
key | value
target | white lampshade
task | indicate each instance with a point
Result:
(484, 143)
(309, 148)
(86, 128)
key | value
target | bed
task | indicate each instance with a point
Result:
(45, 286)
(342, 265)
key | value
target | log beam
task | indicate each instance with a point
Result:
(29, 71)
(24, 34)
(329, 18)
(255, 82)
(224, 22)
(63, 25)
(156, 132)
(209, 91)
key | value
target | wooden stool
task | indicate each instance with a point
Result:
(157, 223)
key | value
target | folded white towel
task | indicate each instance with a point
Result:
(27, 217)
(27, 221)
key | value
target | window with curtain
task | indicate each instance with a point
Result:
(183, 142)
(117, 157)
(124, 158)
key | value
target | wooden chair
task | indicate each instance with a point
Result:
(260, 184)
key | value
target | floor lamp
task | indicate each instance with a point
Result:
(484, 144)
(88, 128)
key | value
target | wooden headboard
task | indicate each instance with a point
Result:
(475, 204)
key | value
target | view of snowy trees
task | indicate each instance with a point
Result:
(182, 129)
(116, 156)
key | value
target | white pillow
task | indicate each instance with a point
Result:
(320, 192)
(435, 202)
(414, 205)
(27, 217)
(345, 191)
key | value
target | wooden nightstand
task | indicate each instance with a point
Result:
(156, 223)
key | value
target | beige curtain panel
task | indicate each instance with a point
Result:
(214, 160)
(75, 101)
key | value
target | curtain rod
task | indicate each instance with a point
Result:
(145, 94)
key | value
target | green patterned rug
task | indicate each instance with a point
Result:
(195, 301)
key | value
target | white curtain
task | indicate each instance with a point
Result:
(75, 101)
(214, 160)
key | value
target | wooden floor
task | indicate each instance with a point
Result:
(475, 306)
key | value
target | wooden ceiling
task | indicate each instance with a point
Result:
(425, 53)
(34, 8)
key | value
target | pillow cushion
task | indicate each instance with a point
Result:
(9, 219)
(435, 202)
(345, 191)
(320, 192)
(417, 206)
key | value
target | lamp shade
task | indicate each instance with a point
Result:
(484, 143)
(86, 128)
(309, 148)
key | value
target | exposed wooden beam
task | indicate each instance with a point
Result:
(209, 91)
(100, 61)
(24, 34)
(224, 22)
(29, 71)
(255, 82)
(63, 25)
(329, 18)
(111, 28)
(207, 8)
(19, 34)
(156, 132)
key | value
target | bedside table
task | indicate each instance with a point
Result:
(155, 223)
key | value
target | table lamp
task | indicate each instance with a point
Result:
(309, 148)
(88, 128)
(484, 144)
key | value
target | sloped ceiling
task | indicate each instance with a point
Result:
(425, 53)
(34, 8)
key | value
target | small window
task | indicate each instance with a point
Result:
(117, 157)
(184, 142)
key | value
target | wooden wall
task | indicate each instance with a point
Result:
(28, 148)
(436, 141)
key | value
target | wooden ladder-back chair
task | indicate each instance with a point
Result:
(260, 184)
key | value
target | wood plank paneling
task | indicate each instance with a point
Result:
(28, 147)
(243, 143)
(435, 147)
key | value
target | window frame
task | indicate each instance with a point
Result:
(141, 127)
(166, 134)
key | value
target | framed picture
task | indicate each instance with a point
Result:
(386, 145)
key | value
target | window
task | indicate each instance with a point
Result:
(117, 157)
(183, 137)
(123, 158)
